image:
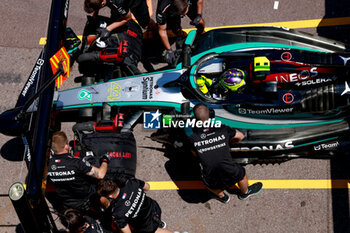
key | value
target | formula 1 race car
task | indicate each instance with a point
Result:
(294, 104)
(295, 100)
(291, 102)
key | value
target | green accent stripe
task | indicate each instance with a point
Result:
(190, 37)
(262, 68)
(310, 143)
(248, 45)
(245, 125)
(81, 106)
(118, 79)
(177, 106)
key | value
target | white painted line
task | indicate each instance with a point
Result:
(275, 5)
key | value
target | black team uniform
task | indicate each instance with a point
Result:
(94, 226)
(138, 8)
(133, 207)
(73, 187)
(213, 150)
(166, 13)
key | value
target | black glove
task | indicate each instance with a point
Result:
(105, 158)
(195, 21)
(104, 33)
(169, 57)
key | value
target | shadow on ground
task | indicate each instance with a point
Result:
(336, 8)
(339, 167)
(182, 166)
(340, 197)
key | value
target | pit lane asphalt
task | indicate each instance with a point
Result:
(273, 210)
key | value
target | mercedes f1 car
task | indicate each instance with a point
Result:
(295, 102)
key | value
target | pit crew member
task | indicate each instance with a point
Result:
(76, 222)
(168, 16)
(211, 146)
(129, 207)
(70, 175)
(121, 13)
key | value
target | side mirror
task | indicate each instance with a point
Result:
(185, 108)
(186, 50)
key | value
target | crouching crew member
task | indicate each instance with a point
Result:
(129, 209)
(70, 175)
(76, 222)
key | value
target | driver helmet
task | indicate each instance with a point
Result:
(233, 80)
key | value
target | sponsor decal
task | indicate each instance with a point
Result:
(296, 77)
(347, 89)
(53, 167)
(327, 146)
(66, 9)
(39, 64)
(122, 11)
(139, 199)
(115, 154)
(62, 173)
(288, 98)
(315, 81)
(147, 88)
(212, 147)
(114, 91)
(131, 33)
(84, 94)
(210, 141)
(287, 145)
(286, 56)
(151, 120)
(268, 111)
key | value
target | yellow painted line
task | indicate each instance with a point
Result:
(309, 23)
(42, 40)
(267, 184)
